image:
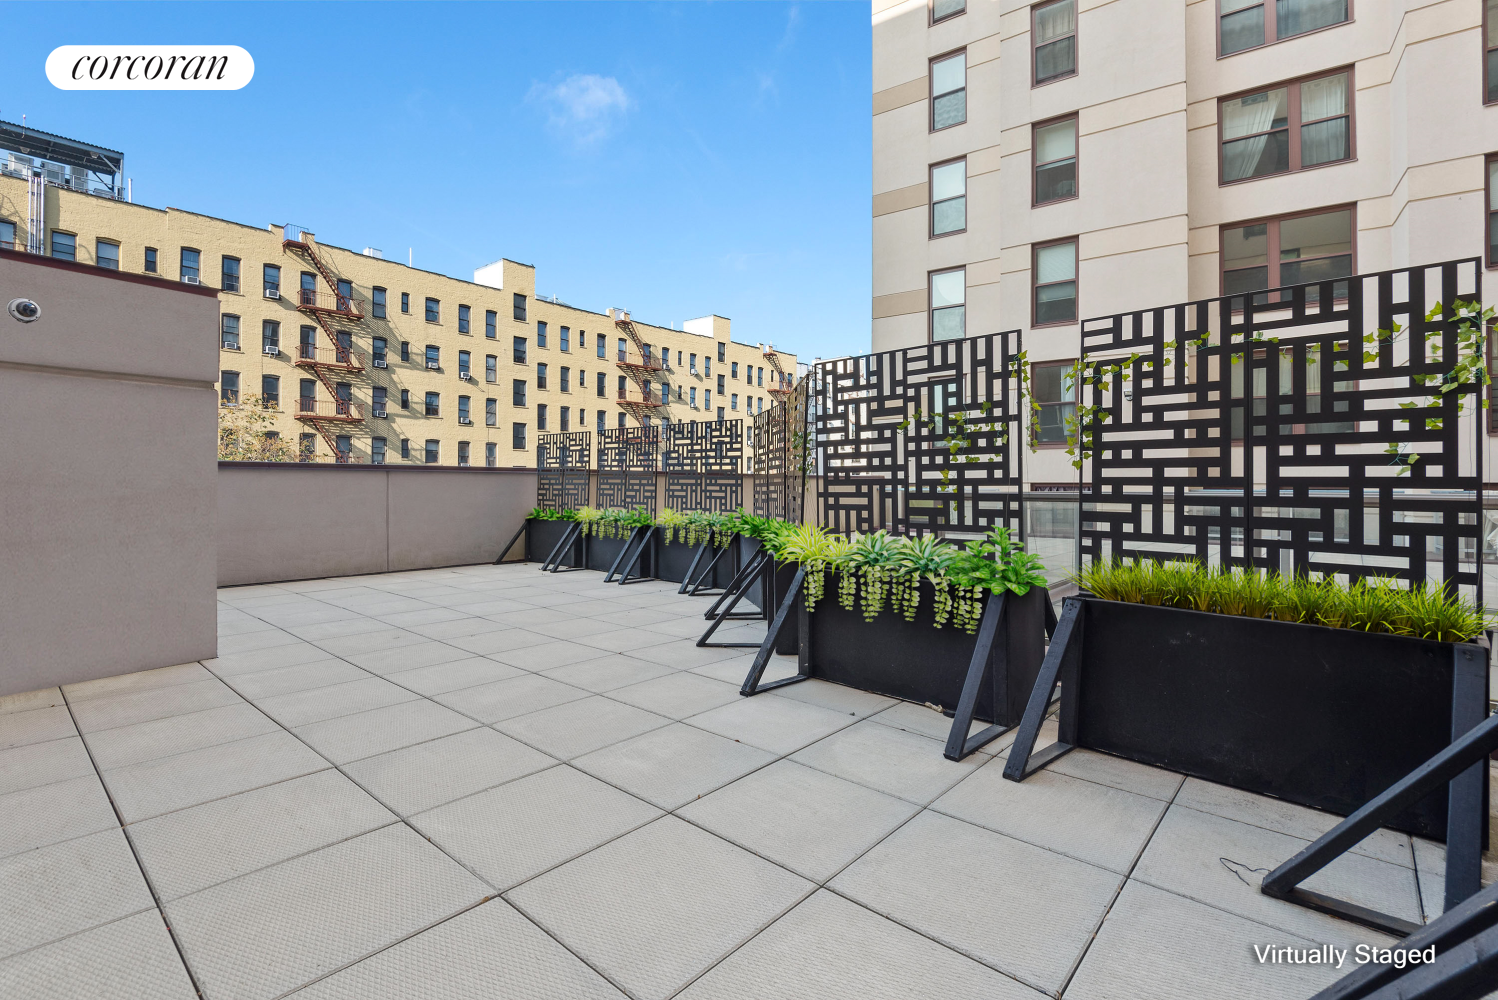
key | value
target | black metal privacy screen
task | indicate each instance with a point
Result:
(702, 462)
(923, 439)
(780, 452)
(562, 464)
(1270, 429)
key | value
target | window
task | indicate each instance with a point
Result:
(1301, 124)
(405, 302)
(602, 346)
(733, 401)
(464, 414)
(520, 307)
(566, 383)
(307, 394)
(65, 246)
(1287, 251)
(707, 366)
(735, 370)
(948, 91)
(309, 289)
(229, 329)
(189, 265)
(405, 399)
(490, 318)
(692, 365)
(228, 388)
(1244, 25)
(517, 392)
(601, 420)
(949, 198)
(150, 260)
(566, 419)
(433, 404)
(229, 281)
(106, 254)
(761, 377)
(720, 413)
(720, 385)
(722, 353)
(379, 302)
(491, 412)
(1055, 38)
(434, 311)
(405, 448)
(943, 9)
(1056, 283)
(1056, 161)
(306, 447)
(601, 390)
(270, 336)
(949, 304)
(540, 416)
(1490, 52)
(692, 397)
(345, 448)
(623, 387)
(1493, 215)
(405, 350)
(517, 436)
(540, 333)
(270, 390)
(566, 339)
(376, 451)
(707, 399)
(519, 348)
(462, 453)
(378, 397)
(462, 319)
(1052, 386)
(489, 454)
(432, 451)
(434, 357)
(378, 344)
(621, 421)
(270, 278)
(540, 375)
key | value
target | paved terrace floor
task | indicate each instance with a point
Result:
(490, 782)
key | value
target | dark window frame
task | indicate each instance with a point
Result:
(1076, 158)
(1035, 422)
(464, 315)
(225, 275)
(433, 310)
(931, 94)
(1272, 239)
(519, 305)
(1489, 213)
(1271, 28)
(377, 305)
(931, 17)
(99, 260)
(1293, 124)
(1076, 281)
(1076, 60)
(491, 324)
(406, 303)
(1489, 85)
(931, 202)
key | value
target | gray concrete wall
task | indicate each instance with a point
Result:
(108, 422)
(298, 522)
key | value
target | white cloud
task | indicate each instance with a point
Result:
(584, 107)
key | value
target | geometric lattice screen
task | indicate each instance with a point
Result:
(562, 463)
(779, 454)
(704, 463)
(627, 460)
(1255, 430)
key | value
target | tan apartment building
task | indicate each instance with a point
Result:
(1038, 164)
(365, 359)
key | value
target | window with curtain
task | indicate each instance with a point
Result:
(948, 91)
(1052, 386)
(949, 198)
(1287, 251)
(229, 328)
(490, 458)
(1244, 24)
(1056, 161)
(1055, 39)
(943, 9)
(1056, 283)
(1304, 123)
(949, 304)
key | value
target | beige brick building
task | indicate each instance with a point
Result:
(369, 360)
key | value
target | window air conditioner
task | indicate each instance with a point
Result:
(273, 351)
(379, 413)
(380, 363)
(465, 377)
(189, 279)
(434, 366)
(273, 293)
(230, 346)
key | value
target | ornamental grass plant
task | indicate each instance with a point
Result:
(1371, 604)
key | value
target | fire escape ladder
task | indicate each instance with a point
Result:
(639, 371)
(328, 311)
(780, 388)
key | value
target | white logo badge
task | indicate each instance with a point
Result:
(149, 67)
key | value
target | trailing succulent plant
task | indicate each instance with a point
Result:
(551, 514)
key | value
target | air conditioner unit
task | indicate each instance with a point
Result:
(465, 421)
(273, 351)
(379, 363)
(189, 279)
(434, 366)
(230, 346)
(273, 293)
(465, 377)
(379, 413)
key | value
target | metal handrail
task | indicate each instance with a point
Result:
(343, 305)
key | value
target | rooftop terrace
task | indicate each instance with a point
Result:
(485, 781)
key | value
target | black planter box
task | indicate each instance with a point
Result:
(673, 559)
(919, 662)
(603, 551)
(542, 536)
(1323, 717)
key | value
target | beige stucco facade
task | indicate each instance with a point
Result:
(709, 375)
(1150, 206)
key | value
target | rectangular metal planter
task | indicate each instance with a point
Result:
(1323, 717)
(542, 536)
(673, 559)
(919, 662)
(603, 551)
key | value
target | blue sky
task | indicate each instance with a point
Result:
(675, 159)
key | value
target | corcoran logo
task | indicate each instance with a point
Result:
(149, 67)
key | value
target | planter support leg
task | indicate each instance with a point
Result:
(1284, 882)
(959, 744)
(513, 539)
(624, 551)
(707, 574)
(1050, 618)
(1063, 661)
(727, 613)
(649, 535)
(686, 580)
(752, 685)
(554, 559)
(1466, 799)
(750, 571)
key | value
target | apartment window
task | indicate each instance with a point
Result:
(520, 307)
(190, 259)
(405, 399)
(566, 339)
(379, 302)
(229, 281)
(378, 344)
(721, 388)
(707, 365)
(733, 401)
(433, 404)
(1056, 283)
(463, 313)
(1055, 37)
(517, 392)
(540, 416)
(1287, 251)
(1056, 161)
(1051, 384)
(519, 349)
(462, 453)
(228, 388)
(229, 330)
(1490, 53)
(465, 363)
(760, 380)
(376, 451)
(601, 420)
(434, 356)
(540, 375)
(517, 436)
(433, 451)
(1493, 214)
(491, 412)
(309, 288)
(948, 91)
(405, 302)
(490, 320)
(270, 336)
(1244, 25)
(735, 371)
(1304, 123)
(378, 397)
(948, 304)
(943, 9)
(621, 421)
(464, 414)
(692, 397)
(566, 419)
(65, 246)
(490, 458)
(405, 350)
(405, 447)
(150, 260)
(540, 333)
(602, 345)
(306, 447)
(949, 198)
(106, 254)
(270, 390)
(707, 399)
(623, 386)
(566, 385)
(601, 389)
(270, 278)
(722, 353)
(434, 311)
(307, 393)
